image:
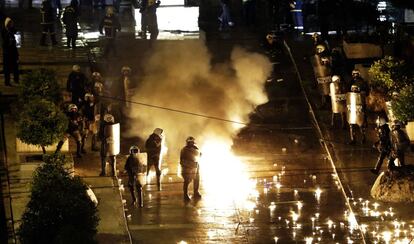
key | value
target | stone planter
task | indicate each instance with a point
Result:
(410, 130)
(22, 147)
(361, 50)
(395, 186)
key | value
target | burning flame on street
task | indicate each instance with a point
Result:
(224, 177)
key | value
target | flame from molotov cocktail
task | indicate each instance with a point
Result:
(224, 177)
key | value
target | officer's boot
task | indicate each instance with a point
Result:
(185, 190)
(159, 180)
(53, 38)
(78, 149)
(363, 134)
(103, 166)
(352, 135)
(134, 199)
(140, 197)
(93, 146)
(196, 183)
(59, 146)
(83, 144)
(113, 165)
(343, 121)
(332, 119)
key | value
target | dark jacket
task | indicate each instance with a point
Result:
(76, 84)
(149, 5)
(384, 141)
(75, 122)
(70, 19)
(10, 52)
(189, 156)
(133, 166)
(153, 148)
(110, 25)
(47, 13)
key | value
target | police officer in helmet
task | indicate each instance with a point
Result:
(136, 170)
(106, 143)
(400, 142)
(189, 161)
(75, 128)
(383, 145)
(153, 146)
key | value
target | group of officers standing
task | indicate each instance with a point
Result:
(92, 111)
(348, 100)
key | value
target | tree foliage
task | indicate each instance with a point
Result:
(41, 123)
(41, 83)
(59, 210)
(390, 74)
(403, 105)
(403, 3)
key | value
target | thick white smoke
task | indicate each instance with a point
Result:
(179, 75)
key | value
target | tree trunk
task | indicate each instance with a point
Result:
(44, 149)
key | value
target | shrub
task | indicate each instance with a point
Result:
(41, 123)
(390, 74)
(403, 105)
(59, 210)
(41, 83)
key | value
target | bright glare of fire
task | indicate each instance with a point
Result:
(224, 177)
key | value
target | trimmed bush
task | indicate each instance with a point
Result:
(41, 123)
(41, 83)
(403, 105)
(59, 210)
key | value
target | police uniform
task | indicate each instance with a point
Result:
(149, 18)
(47, 21)
(76, 84)
(383, 145)
(356, 114)
(91, 114)
(107, 144)
(400, 142)
(109, 25)
(75, 127)
(153, 146)
(136, 170)
(338, 99)
(189, 161)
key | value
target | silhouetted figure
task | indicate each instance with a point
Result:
(10, 52)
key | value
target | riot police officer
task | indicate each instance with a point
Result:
(75, 128)
(76, 84)
(338, 99)
(96, 85)
(359, 81)
(321, 63)
(90, 112)
(136, 170)
(153, 146)
(110, 25)
(355, 113)
(109, 143)
(399, 144)
(383, 145)
(48, 16)
(189, 161)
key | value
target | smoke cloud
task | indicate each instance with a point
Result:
(179, 75)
